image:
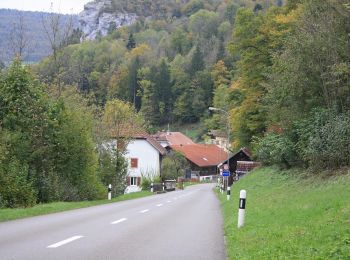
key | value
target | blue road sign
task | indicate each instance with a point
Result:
(226, 173)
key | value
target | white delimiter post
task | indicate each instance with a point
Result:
(152, 187)
(228, 192)
(109, 191)
(241, 210)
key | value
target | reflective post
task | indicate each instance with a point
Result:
(241, 210)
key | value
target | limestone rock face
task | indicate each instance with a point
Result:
(97, 18)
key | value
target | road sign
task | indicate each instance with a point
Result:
(226, 173)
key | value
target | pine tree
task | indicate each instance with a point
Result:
(131, 42)
(197, 62)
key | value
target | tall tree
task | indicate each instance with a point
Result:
(131, 42)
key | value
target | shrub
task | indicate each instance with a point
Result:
(15, 190)
(276, 149)
(329, 146)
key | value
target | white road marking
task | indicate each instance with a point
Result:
(144, 211)
(159, 205)
(168, 201)
(63, 242)
(119, 221)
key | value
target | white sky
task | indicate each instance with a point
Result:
(61, 6)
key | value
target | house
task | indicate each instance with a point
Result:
(203, 158)
(144, 155)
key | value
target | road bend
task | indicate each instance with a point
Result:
(176, 225)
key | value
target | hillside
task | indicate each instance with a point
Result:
(290, 215)
(37, 46)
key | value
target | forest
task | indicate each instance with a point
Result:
(281, 69)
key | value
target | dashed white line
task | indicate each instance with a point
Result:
(119, 221)
(144, 211)
(168, 201)
(63, 242)
(159, 205)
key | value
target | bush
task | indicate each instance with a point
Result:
(329, 146)
(15, 190)
(112, 170)
(276, 149)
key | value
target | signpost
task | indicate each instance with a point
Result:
(225, 175)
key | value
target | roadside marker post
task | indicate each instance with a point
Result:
(228, 192)
(163, 186)
(109, 191)
(241, 210)
(152, 187)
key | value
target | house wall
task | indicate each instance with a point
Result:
(148, 158)
(203, 171)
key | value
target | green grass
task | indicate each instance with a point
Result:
(42, 209)
(289, 216)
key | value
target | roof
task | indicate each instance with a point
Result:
(203, 155)
(138, 133)
(173, 138)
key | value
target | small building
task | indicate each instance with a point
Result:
(144, 155)
(242, 155)
(203, 158)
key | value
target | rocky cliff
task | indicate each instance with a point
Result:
(97, 19)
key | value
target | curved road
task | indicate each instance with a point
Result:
(176, 225)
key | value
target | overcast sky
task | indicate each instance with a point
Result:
(62, 6)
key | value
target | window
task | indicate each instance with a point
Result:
(134, 162)
(133, 181)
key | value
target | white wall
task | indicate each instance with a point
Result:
(148, 158)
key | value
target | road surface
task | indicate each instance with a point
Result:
(177, 225)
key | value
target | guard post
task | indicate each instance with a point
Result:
(152, 189)
(241, 210)
(109, 191)
(228, 192)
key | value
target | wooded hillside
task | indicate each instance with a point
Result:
(280, 70)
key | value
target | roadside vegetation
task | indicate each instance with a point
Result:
(47, 208)
(290, 215)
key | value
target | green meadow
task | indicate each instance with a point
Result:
(289, 215)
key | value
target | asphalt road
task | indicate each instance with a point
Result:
(176, 225)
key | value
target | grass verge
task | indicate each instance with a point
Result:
(289, 216)
(42, 209)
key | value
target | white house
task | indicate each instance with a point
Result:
(144, 155)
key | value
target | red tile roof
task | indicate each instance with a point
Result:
(203, 155)
(173, 138)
